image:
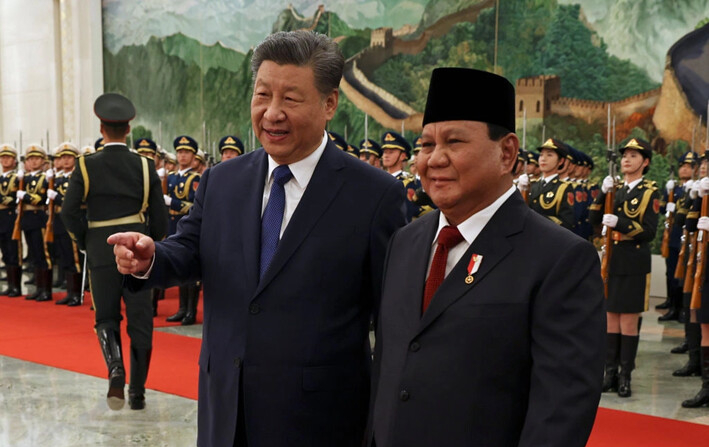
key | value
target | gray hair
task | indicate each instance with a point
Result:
(303, 48)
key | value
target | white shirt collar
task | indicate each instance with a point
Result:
(633, 184)
(184, 171)
(550, 178)
(114, 144)
(473, 225)
(302, 170)
(394, 174)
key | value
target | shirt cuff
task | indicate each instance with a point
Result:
(146, 274)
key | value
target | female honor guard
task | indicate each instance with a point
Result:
(34, 219)
(633, 224)
(550, 196)
(8, 213)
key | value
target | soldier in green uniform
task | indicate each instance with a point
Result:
(181, 187)
(550, 196)
(8, 214)
(633, 224)
(122, 192)
(421, 197)
(34, 219)
(64, 162)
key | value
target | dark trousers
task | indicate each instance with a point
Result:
(68, 256)
(107, 291)
(9, 250)
(36, 249)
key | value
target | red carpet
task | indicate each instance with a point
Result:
(63, 337)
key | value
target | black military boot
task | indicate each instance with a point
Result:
(139, 365)
(610, 379)
(67, 298)
(702, 397)
(44, 284)
(694, 339)
(180, 314)
(110, 341)
(628, 350)
(663, 305)
(73, 280)
(38, 286)
(192, 300)
(681, 348)
(14, 282)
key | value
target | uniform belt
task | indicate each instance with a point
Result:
(32, 207)
(133, 218)
(176, 213)
(617, 236)
(57, 208)
(5, 207)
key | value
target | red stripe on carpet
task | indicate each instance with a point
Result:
(63, 337)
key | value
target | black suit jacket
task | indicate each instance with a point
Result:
(298, 338)
(513, 359)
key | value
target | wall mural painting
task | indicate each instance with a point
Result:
(185, 64)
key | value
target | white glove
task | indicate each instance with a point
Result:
(670, 207)
(696, 190)
(161, 172)
(607, 184)
(20, 195)
(703, 223)
(168, 200)
(670, 185)
(523, 181)
(704, 185)
(20, 174)
(688, 185)
(51, 194)
(610, 220)
(49, 174)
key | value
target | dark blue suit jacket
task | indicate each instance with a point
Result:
(298, 339)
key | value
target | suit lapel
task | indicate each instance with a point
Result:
(321, 191)
(250, 216)
(492, 244)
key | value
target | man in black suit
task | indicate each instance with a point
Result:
(289, 243)
(492, 324)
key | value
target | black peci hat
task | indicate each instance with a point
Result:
(471, 95)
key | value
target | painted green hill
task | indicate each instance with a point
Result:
(205, 56)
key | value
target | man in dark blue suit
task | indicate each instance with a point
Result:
(289, 243)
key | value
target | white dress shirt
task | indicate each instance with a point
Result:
(470, 229)
(633, 184)
(302, 172)
(546, 180)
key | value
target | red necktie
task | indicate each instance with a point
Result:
(448, 238)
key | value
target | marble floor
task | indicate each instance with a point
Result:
(42, 406)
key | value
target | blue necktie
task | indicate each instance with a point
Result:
(273, 216)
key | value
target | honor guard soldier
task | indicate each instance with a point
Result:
(34, 218)
(122, 192)
(146, 147)
(181, 187)
(395, 151)
(421, 198)
(633, 224)
(98, 145)
(676, 211)
(64, 162)
(580, 193)
(200, 162)
(170, 162)
(353, 151)
(370, 152)
(230, 147)
(532, 166)
(338, 140)
(8, 214)
(550, 196)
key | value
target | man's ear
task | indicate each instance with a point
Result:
(510, 148)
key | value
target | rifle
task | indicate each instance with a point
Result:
(49, 229)
(681, 259)
(17, 229)
(701, 260)
(607, 233)
(690, 269)
(164, 181)
(669, 221)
